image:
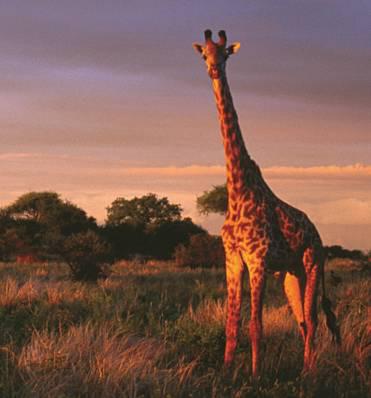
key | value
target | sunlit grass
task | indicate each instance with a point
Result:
(89, 360)
(156, 331)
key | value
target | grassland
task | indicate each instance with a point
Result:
(158, 331)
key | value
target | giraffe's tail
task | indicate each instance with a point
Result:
(331, 320)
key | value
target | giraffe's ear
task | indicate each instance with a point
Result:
(233, 48)
(197, 47)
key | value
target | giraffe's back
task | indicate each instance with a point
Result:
(266, 227)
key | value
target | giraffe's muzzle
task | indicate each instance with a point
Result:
(215, 71)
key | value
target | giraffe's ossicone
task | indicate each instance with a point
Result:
(261, 231)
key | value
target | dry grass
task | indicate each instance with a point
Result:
(91, 360)
(209, 312)
(159, 331)
(97, 361)
(13, 291)
(279, 322)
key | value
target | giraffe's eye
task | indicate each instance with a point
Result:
(204, 57)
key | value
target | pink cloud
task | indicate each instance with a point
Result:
(351, 171)
(332, 196)
(17, 156)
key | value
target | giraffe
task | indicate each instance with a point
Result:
(261, 231)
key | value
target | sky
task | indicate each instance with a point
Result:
(100, 100)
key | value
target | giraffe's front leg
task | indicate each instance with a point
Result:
(257, 283)
(234, 272)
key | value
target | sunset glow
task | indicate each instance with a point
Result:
(105, 100)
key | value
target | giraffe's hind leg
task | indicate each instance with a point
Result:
(312, 270)
(234, 273)
(294, 292)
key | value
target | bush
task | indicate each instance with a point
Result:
(126, 240)
(153, 241)
(164, 238)
(203, 250)
(337, 251)
(87, 255)
(38, 223)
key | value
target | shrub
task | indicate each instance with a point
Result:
(164, 238)
(87, 255)
(337, 251)
(203, 250)
(126, 240)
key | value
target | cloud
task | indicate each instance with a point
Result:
(332, 196)
(173, 171)
(109, 166)
(124, 83)
(356, 171)
(342, 212)
(96, 165)
(351, 236)
(17, 156)
(125, 78)
(280, 57)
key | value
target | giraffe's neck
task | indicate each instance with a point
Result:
(238, 162)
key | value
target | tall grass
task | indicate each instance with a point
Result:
(94, 361)
(158, 331)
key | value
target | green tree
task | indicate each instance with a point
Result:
(18, 236)
(165, 237)
(126, 239)
(87, 255)
(36, 206)
(203, 250)
(148, 226)
(337, 251)
(213, 201)
(48, 209)
(147, 210)
(42, 220)
(10, 240)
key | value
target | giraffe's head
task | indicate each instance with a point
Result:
(216, 54)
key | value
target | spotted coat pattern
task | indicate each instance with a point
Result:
(260, 230)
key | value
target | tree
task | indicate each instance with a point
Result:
(41, 221)
(48, 209)
(148, 226)
(36, 206)
(165, 237)
(17, 237)
(213, 201)
(126, 239)
(10, 243)
(203, 250)
(146, 210)
(337, 251)
(87, 255)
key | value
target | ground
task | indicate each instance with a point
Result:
(158, 331)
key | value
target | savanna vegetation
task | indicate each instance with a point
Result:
(144, 312)
(158, 331)
(42, 226)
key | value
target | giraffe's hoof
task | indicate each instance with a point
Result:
(227, 364)
(227, 370)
